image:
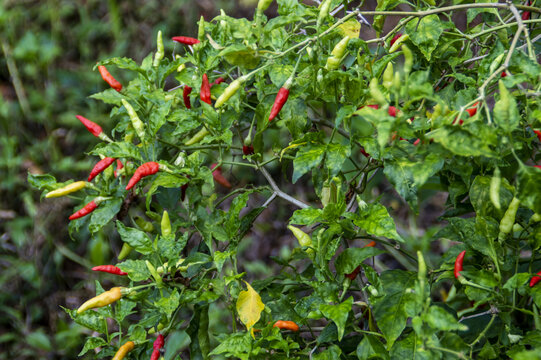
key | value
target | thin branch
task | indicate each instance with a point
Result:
(279, 192)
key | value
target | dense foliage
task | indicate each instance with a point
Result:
(442, 109)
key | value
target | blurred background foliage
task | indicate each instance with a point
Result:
(49, 49)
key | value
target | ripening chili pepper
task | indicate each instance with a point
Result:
(110, 269)
(281, 99)
(416, 142)
(363, 151)
(286, 325)
(103, 299)
(526, 14)
(217, 81)
(124, 350)
(197, 137)
(183, 189)
(186, 96)
(218, 177)
(205, 90)
(165, 224)
(85, 210)
(68, 189)
(473, 110)
(100, 166)
(93, 128)
(398, 42)
(538, 133)
(392, 111)
(396, 37)
(352, 275)
(508, 219)
(535, 279)
(303, 238)
(158, 344)
(504, 74)
(458, 263)
(147, 169)
(229, 91)
(109, 79)
(185, 40)
(337, 53)
(137, 124)
(119, 166)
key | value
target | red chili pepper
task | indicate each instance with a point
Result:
(417, 142)
(119, 167)
(286, 325)
(186, 95)
(535, 279)
(473, 110)
(149, 168)
(279, 102)
(87, 209)
(205, 90)
(526, 14)
(109, 79)
(458, 263)
(110, 269)
(396, 37)
(99, 167)
(247, 149)
(185, 40)
(352, 275)
(94, 128)
(504, 74)
(363, 151)
(218, 177)
(158, 344)
(183, 189)
(537, 166)
(538, 133)
(217, 81)
(392, 111)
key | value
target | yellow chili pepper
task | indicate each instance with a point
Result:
(68, 189)
(123, 350)
(229, 91)
(166, 224)
(197, 137)
(137, 124)
(304, 239)
(103, 299)
(158, 56)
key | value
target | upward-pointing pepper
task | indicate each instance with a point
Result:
(281, 98)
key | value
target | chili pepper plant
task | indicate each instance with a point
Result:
(307, 98)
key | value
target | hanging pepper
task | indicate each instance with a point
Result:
(158, 344)
(110, 269)
(93, 128)
(217, 81)
(109, 79)
(103, 299)
(538, 133)
(218, 177)
(398, 41)
(281, 98)
(263, 5)
(186, 95)
(186, 40)
(458, 264)
(494, 193)
(124, 350)
(337, 53)
(87, 209)
(526, 14)
(352, 275)
(248, 149)
(408, 59)
(160, 52)
(125, 251)
(229, 91)
(119, 166)
(396, 37)
(137, 124)
(205, 90)
(100, 166)
(303, 238)
(183, 189)
(324, 9)
(68, 189)
(286, 325)
(473, 110)
(197, 137)
(535, 279)
(147, 169)
(508, 219)
(165, 224)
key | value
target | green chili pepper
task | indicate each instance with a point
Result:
(125, 251)
(376, 93)
(495, 183)
(508, 219)
(263, 5)
(201, 30)
(154, 273)
(166, 224)
(197, 137)
(388, 76)
(408, 59)
(304, 239)
(337, 53)
(398, 43)
(160, 49)
(324, 9)
(137, 124)
(229, 91)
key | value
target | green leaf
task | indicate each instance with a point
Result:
(198, 331)
(506, 114)
(136, 269)
(135, 238)
(463, 141)
(92, 343)
(165, 180)
(529, 187)
(237, 344)
(240, 55)
(104, 214)
(308, 157)
(42, 182)
(480, 196)
(89, 319)
(333, 352)
(375, 220)
(425, 33)
(306, 216)
(338, 314)
(350, 258)
(398, 303)
(439, 319)
(336, 155)
(118, 150)
(109, 96)
(168, 304)
(407, 174)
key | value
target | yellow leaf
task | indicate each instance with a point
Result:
(351, 28)
(249, 307)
